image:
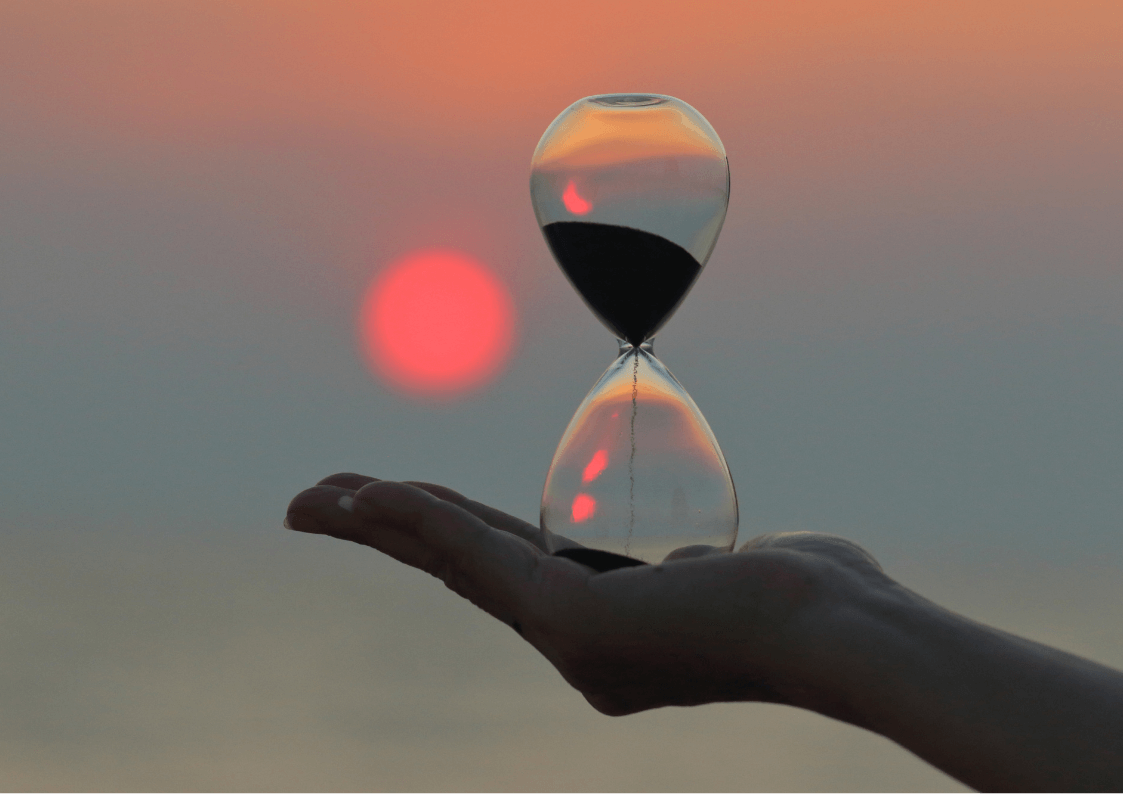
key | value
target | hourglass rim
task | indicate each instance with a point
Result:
(629, 100)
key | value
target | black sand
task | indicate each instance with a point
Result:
(632, 280)
(599, 561)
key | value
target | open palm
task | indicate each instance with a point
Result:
(702, 626)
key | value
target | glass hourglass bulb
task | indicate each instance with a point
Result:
(630, 192)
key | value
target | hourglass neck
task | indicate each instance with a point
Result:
(626, 346)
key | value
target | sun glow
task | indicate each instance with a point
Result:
(437, 322)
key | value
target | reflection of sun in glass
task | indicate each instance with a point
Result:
(437, 322)
(584, 506)
(574, 201)
(596, 465)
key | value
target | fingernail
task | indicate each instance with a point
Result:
(347, 503)
(301, 522)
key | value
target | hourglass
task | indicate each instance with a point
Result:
(631, 192)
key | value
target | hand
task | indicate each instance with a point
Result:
(798, 618)
(702, 626)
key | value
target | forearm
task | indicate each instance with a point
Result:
(993, 710)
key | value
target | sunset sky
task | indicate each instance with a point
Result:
(910, 333)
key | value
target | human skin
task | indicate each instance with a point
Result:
(804, 619)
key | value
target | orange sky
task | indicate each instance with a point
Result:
(357, 132)
(443, 71)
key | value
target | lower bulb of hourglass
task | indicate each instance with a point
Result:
(638, 471)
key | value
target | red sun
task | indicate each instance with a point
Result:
(437, 322)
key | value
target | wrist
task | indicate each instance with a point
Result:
(841, 638)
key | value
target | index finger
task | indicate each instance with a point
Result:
(542, 538)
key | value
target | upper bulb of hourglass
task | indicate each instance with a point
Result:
(630, 191)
